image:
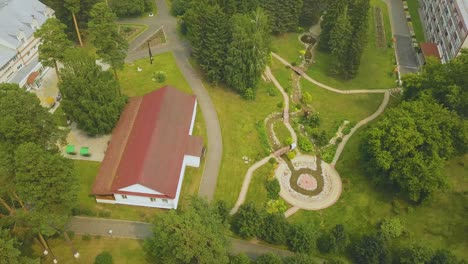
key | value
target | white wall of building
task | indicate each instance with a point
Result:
(194, 115)
(144, 201)
(138, 188)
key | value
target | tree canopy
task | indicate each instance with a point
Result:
(247, 221)
(110, 45)
(127, 8)
(91, 97)
(23, 119)
(53, 43)
(446, 83)
(193, 235)
(407, 147)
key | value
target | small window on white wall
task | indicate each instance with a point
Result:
(124, 196)
(153, 199)
(164, 200)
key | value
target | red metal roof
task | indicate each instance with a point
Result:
(32, 77)
(149, 143)
(430, 49)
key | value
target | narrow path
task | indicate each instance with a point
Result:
(361, 123)
(142, 230)
(246, 183)
(291, 211)
(181, 50)
(308, 78)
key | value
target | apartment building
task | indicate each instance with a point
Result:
(446, 24)
(19, 19)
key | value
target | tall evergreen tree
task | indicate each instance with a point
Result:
(339, 39)
(54, 42)
(335, 8)
(90, 96)
(283, 14)
(311, 12)
(111, 46)
(74, 7)
(248, 51)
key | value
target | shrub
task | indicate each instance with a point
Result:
(328, 153)
(301, 238)
(391, 227)
(280, 104)
(304, 144)
(288, 141)
(339, 140)
(104, 258)
(326, 243)
(269, 258)
(247, 221)
(248, 94)
(272, 91)
(273, 188)
(71, 234)
(311, 119)
(320, 137)
(274, 229)
(160, 76)
(306, 98)
(291, 155)
(272, 161)
(86, 237)
(348, 128)
(276, 206)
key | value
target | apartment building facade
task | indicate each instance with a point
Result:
(446, 24)
(19, 19)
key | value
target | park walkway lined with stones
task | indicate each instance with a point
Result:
(335, 185)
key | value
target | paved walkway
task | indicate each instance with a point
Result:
(246, 183)
(406, 55)
(361, 123)
(181, 51)
(141, 230)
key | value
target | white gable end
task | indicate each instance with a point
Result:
(138, 188)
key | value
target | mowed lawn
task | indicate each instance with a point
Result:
(334, 108)
(123, 251)
(439, 223)
(237, 118)
(377, 64)
(136, 84)
(413, 8)
(288, 46)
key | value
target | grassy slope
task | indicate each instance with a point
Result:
(288, 46)
(237, 118)
(413, 6)
(123, 251)
(136, 84)
(376, 70)
(257, 192)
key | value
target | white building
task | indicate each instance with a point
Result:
(446, 25)
(150, 148)
(19, 19)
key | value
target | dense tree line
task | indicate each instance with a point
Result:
(39, 187)
(231, 39)
(127, 8)
(344, 35)
(408, 147)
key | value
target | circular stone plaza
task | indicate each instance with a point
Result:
(308, 182)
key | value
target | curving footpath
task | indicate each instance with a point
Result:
(336, 184)
(181, 51)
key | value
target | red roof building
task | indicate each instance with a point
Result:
(430, 50)
(150, 147)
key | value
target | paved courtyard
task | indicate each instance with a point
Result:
(97, 145)
(48, 88)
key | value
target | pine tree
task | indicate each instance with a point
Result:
(339, 39)
(335, 8)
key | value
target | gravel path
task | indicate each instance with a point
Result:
(181, 50)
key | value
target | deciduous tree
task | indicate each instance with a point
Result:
(188, 236)
(248, 220)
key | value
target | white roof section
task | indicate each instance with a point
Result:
(18, 16)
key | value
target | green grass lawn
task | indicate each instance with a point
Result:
(257, 192)
(376, 70)
(281, 132)
(334, 108)
(288, 46)
(440, 223)
(413, 6)
(123, 251)
(136, 83)
(237, 118)
(60, 117)
(282, 74)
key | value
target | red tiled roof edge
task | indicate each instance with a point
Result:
(103, 182)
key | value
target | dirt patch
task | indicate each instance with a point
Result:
(379, 28)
